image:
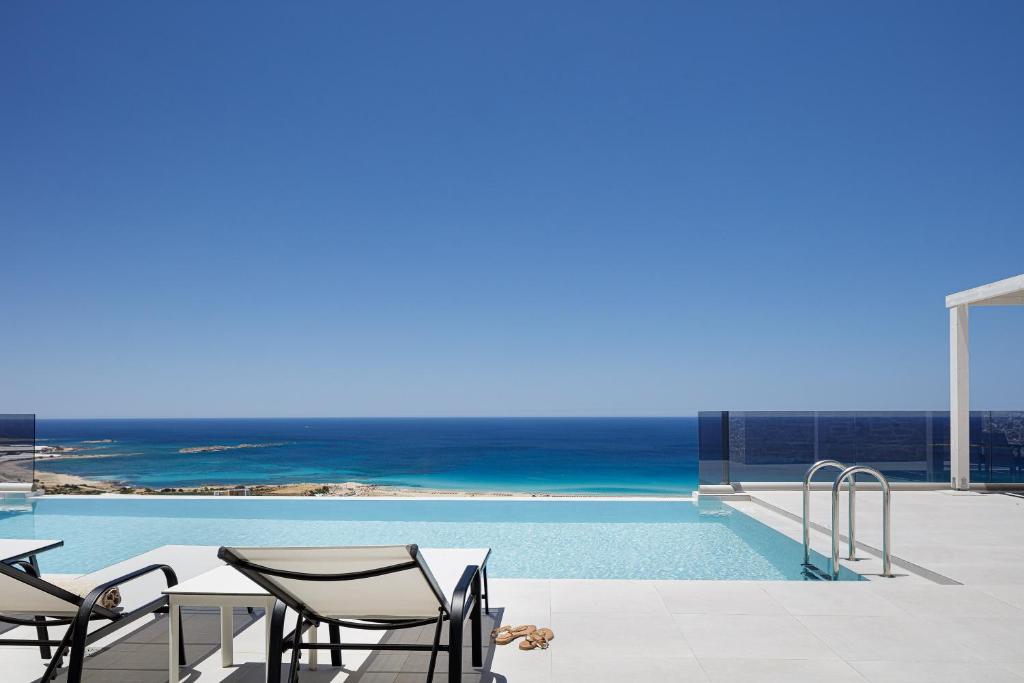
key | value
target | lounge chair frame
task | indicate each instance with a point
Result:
(78, 637)
(466, 602)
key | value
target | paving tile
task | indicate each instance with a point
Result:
(613, 636)
(750, 637)
(1015, 667)
(371, 678)
(825, 598)
(934, 672)
(941, 601)
(992, 640)
(608, 596)
(717, 597)
(515, 665)
(570, 669)
(420, 677)
(898, 639)
(989, 571)
(521, 602)
(1011, 595)
(779, 671)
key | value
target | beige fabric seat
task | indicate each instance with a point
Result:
(26, 596)
(16, 597)
(83, 585)
(369, 587)
(414, 593)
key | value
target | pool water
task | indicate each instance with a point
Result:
(587, 539)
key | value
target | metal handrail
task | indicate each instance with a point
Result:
(821, 464)
(851, 473)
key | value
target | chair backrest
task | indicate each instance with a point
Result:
(22, 592)
(350, 582)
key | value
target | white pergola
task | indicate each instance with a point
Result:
(1008, 292)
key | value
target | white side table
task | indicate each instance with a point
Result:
(226, 588)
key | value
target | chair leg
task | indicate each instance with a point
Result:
(44, 634)
(76, 655)
(487, 593)
(58, 658)
(293, 668)
(455, 649)
(41, 631)
(476, 623)
(275, 648)
(335, 632)
(433, 651)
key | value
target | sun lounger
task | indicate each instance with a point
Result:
(30, 599)
(368, 587)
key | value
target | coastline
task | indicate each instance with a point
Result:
(57, 484)
(341, 457)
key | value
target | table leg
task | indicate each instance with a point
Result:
(311, 636)
(174, 673)
(227, 636)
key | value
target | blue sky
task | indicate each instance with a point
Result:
(573, 208)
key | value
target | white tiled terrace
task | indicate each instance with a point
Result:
(906, 629)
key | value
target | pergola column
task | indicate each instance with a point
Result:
(959, 399)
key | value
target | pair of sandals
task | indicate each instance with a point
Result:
(533, 638)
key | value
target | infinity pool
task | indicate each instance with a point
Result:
(587, 539)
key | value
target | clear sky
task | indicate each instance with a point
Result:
(519, 208)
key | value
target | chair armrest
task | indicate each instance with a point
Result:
(169, 575)
(462, 588)
(89, 604)
(25, 566)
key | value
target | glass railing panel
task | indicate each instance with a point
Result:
(768, 446)
(997, 446)
(903, 445)
(17, 449)
(712, 440)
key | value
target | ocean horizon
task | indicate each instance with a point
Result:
(555, 455)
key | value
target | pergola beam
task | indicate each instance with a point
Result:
(1008, 292)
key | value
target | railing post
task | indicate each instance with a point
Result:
(807, 508)
(851, 473)
(853, 520)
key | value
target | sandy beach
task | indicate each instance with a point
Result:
(53, 483)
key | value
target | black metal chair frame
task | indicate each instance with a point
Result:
(466, 602)
(78, 637)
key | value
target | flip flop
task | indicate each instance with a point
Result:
(538, 640)
(506, 634)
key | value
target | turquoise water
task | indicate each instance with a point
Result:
(617, 456)
(530, 539)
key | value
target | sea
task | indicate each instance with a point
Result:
(603, 456)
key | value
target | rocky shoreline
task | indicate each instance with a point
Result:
(53, 483)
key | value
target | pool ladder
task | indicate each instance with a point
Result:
(846, 473)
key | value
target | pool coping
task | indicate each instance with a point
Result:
(488, 498)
